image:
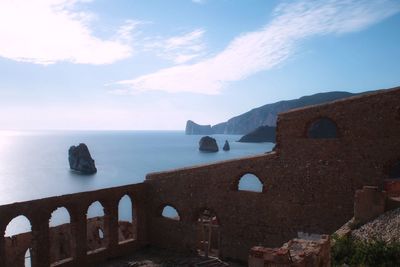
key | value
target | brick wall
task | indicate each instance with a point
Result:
(309, 184)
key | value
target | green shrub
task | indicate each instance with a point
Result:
(347, 250)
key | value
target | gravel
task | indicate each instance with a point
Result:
(386, 227)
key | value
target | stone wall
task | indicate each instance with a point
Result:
(60, 240)
(309, 184)
(81, 236)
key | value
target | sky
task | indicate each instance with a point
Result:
(154, 64)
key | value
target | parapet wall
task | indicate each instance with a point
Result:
(309, 184)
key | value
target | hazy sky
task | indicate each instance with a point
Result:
(153, 64)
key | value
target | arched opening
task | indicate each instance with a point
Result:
(250, 182)
(126, 220)
(96, 237)
(170, 212)
(18, 242)
(395, 171)
(322, 128)
(208, 233)
(60, 235)
(28, 260)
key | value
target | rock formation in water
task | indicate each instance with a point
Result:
(226, 147)
(208, 144)
(259, 135)
(194, 128)
(264, 115)
(80, 159)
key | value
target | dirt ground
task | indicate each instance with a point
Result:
(155, 257)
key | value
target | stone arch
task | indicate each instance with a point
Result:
(127, 222)
(170, 212)
(60, 235)
(322, 128)
(18, 241)
(94, 227)
(250, 182)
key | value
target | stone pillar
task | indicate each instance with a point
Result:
(139, 211)
(111, 224)
(40, 241)
(369, 203)
(79, 233)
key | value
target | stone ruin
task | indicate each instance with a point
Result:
(308, 185)
(295, 253)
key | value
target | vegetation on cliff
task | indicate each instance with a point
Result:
(348, 251)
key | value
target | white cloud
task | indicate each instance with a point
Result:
(198, 1)
(124, 33)
(179, 49)
(50, 31)
(268, 47)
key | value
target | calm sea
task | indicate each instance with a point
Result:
(35, 164)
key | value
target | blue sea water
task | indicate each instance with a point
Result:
(34, 164)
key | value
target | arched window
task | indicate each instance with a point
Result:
(395, 171)
(250, 182)
(170, 212)
(126, 220)
(60, 235)
(95, 227)
(322, 128)
(18, 242)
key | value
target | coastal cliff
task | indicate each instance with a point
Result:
(259, 135)
(194, 128)
(263, 116)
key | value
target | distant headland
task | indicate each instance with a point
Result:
(262, 116)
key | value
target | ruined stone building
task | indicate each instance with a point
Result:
(324, 153)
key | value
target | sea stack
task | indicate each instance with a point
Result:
(80, 159)
(208, 144)
(226, 146)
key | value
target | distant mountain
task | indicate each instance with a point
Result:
(266, 115)
(259, 135)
